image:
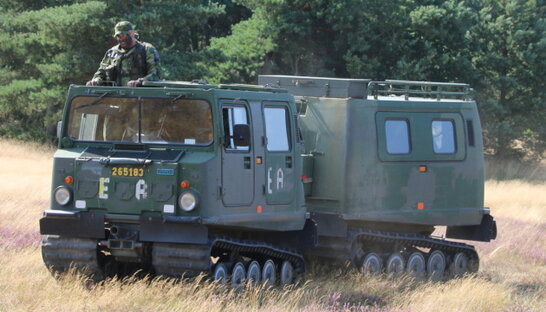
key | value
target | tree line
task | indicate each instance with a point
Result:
(497, 46)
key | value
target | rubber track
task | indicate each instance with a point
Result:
(180, 259)
(190, 260)
(61, 254)
(416, 240)
(252, 247)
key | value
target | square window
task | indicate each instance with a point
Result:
(443, 137)
(397, 136)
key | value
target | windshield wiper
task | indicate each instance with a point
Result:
(169, 103)
(95, 102)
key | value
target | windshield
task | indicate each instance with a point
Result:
(145, 120)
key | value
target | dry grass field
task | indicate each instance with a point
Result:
(512, 274)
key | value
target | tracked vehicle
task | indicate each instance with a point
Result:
(256, 181)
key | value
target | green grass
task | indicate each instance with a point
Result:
(512, 274)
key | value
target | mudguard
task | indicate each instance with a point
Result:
(484, 232)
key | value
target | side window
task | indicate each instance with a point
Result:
(234, 115)
(397, 136)
(276, 129)
(443, 137)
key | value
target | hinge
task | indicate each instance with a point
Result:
(220, 191)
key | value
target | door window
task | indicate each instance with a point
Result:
(276, 129)
(235, 115)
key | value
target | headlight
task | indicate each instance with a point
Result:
(187, 201)
(62, 195)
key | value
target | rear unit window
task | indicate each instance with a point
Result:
(420, 136)
(443, 137)
(397, 136)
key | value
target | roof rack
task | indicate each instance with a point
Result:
(202, 84)
(422, 89)
(197, 84)
(249, 87)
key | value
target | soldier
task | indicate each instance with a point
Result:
(131, 62)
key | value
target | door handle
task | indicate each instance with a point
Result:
(288, 161)
(247, 162)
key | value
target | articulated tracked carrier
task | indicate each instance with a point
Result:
(253, 182)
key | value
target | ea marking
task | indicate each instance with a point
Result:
(103, 188)
(141, 189)
(279, 182)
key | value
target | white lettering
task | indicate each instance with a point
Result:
(280, 179)
(141, 190)
(103, 188)
(269, 181)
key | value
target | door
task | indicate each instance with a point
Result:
(421, 156)
(279, 159)
(237, 166)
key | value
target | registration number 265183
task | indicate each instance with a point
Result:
(127, 172)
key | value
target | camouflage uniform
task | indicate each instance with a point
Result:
(120, 65)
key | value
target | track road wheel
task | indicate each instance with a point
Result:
(416, 264)
(372, 264)
(220, 273)
(459, 266)
(287, 273)
(254, 273)
(238, 276)
(395, 264)
(473, 264)
(269, 273)
(357, 254)
(436, 265)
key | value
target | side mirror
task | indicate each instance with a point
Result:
(241, 135)
(54, 130)
(59, 129)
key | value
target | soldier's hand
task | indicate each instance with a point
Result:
(136, 83)
(91, 83)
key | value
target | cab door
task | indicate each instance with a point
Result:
(279, 154)
(237, 166)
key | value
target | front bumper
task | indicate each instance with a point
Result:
(73, 224)
(151, 228)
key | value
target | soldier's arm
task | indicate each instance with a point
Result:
(152, 61)
(100, 75)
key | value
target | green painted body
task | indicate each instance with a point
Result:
(342, 159)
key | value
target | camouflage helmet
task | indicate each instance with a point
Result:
(123, 28)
